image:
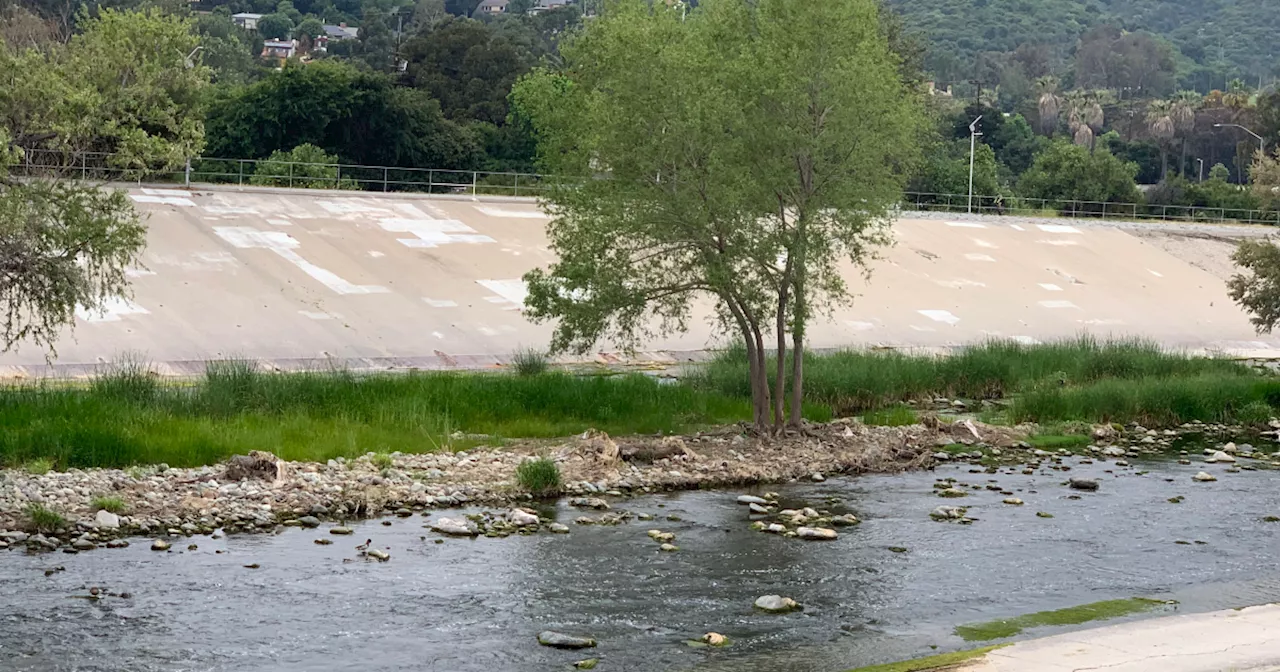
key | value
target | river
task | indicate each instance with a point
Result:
(476, 605)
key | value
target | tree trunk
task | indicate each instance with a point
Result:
(1182, 163)
(755, 368)
(1164, 162)
(780, 384)
(800, 317)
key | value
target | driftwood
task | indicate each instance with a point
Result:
(652, 451)
(257, 465)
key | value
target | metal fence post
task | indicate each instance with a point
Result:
(384, 179)
(290, 174)
(517, 192)
(431, 181)
(240, 163)
(337, 181)
(475, 180)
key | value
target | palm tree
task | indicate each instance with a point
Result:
(1048, 103)
(1160, 121)
(1084, 116)
(1182, 110)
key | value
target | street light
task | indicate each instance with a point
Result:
(1262, 143)
(973, 140)
(1201, 162)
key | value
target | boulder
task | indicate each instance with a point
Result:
(83, 545)
(751, 499)
(378, 554)
(1013, 501)
(816, 533)
(1083, 484)
(715, 639)
(758, 508)
(340, 529)
(589, 503)
(776, 604)
(458, 527)
(1204, 477)
(558, 640)
(1113, 451)
(522, 518)
(159, 545)
(558, 528)
(947, 513)
(1221, 456)
(105, 520)
(668, 548)
(257, 465)
(952, 492)
(845, 521)
(309, 521)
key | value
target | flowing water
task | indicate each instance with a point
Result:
(477, 605)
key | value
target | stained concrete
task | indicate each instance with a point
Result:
(1231, 640)
(300, 278)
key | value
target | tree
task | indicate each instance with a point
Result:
(1182, 110)
(308, 29)
(1048, 103)
(468, 67)
(305, 166)
(1065, 172)
(739, 155)
(1257, 287)
(1160, 122)
(63, 246)
(275, 26)
(426, 14)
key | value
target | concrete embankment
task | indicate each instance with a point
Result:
(301, 279)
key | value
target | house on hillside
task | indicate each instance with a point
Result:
(341, 32)
(546, 5)
(246, 20)
(279, 50)
(491, 7)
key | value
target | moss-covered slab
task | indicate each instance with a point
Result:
(1096, 611)
(945, 661)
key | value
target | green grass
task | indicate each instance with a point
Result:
(857, 380)
(42, 519)
(108, 503)
(1154, 402)
(893, 416)
(381, 461)
(128, 419)
(529, 362)
(38, 467)
(1057, 441)
(539, 476)
(1097, 611)
(940, 662)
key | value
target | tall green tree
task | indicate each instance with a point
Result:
(738, 154)
(1066, 172)
(468, 66)
(1256, 288)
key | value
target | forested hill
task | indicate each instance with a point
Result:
(1213, 41)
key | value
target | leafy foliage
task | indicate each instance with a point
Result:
(1257, 287)
(1066, 172)
(540, 475)
(304, 166)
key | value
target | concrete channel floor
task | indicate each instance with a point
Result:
(299, 279)
(1244, 640)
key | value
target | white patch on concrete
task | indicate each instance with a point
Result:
(982, 243)
(1058, 241)
(960, 283)
(1057, 228)
(1108, 321)
(1158, 274)
(439, 303)
(513, 291)
(351, 206)
(1058, 304)
(518, 214)
(280, 222)
(285, 245)
(230, 210)
(1015, 227)
(180, 193)
(411, 211)
(488, 332)
(111, 310)
(438, 335)
(163, 200)
(1026, 340)
(973, 256)
(859, 326)
(922, 328)
(1050, 287)
(376, 254)
(315, 315)
(137, 272)
(939, 316)
(967, 225)
(433, 232)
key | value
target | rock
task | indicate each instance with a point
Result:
(1042, 514)
(1204, 477)
(947, 513)
(1112, 451)
(1121, 463)
(522, 518)
(751, 499)
(817, 477)
(559, 640)
(715, 639)
(776, 528)
(159, 545)
(106, 520)
(816, 533)
(323, 541)
(83, 545)
(118, 543)
(458, 527)
(776, 604)
(558, 528)
(589, 503)
(599, 446)
(941, 456)
(1221, 456)
(588, 664)
(309, 521)
(340, 529)
(1083, 484)
(668, 548)
(661, 537)
(952, 492)
(378, 554)
(756, 508)
(257, 465)
(1230, 447)
(845, 521)
(1013, 500)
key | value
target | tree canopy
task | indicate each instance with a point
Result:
(731, 153)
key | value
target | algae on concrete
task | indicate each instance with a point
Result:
(940, 662)
(1096, 611)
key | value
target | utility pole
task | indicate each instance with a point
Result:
(973, 143)
(1201, 162)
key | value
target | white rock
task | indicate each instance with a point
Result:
(1013, 501)
(1113, 451)
(522, 518)
(816, 533)
(107, 520)
(1229, 447)
(751, 499)
(756, 508)
(455, 526)
(776, 604)
(1221, 456)
(1204, 476)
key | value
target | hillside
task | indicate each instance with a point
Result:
(1213, 41)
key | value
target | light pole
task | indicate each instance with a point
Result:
(1201, 162)
(973, 142)
(1262, 142)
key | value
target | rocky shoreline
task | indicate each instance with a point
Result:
(259, 493)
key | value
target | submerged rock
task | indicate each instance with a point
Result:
(309, 521)
(845, 520)
(559, 640)
(757, 508)
(1083, 484)
(159, 545)
(668, 548)
(952, 492)
(776, 604)
(589, 503)
(558, 528)
(947, 513)
(587, 664)
(341, 530)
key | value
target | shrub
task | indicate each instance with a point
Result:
(539, 476)
(108, 503)
(381, 461)
(42, 519)
(529, 362)
(894, 416)
(38, 467)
